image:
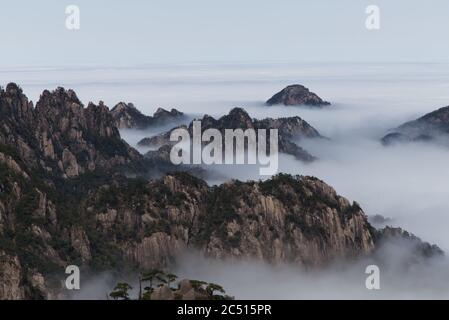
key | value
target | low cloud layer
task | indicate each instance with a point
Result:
(399, 279)
(401, 276)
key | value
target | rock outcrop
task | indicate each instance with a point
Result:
(290, 131)
(296, 95)
(431, 127)
(127, 116)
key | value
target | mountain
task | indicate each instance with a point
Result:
(290, 129)
(295, 95)
(419, 248)
(146, 224)
(430, 127)
(127, 116)
(61, 136)
(72, 192)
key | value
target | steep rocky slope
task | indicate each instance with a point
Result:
(60, 135)
(296, 95)
(431, 127)
(127, 116)
(286, 219)
(146, 224)
(290, 129)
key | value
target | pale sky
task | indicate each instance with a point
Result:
(124, 33)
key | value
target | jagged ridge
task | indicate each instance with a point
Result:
(127, 116)
(429, 127)
(289, 129)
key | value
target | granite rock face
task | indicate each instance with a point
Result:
(296, 95)
(287, 219)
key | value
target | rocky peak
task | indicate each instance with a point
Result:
(239, 113)
(297, 95)
(60, 96)
(14, 104)
(293, 127)
(237, 118)
(162, 113)
(438, 117)
(60, 108)
(60, 135)
(419, 248)
(430, 127)
(13, 90)
(129, 117)
(123, 107)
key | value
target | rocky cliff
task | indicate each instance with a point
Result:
(296, 95)
(60, 135)
(286, 219)
(112, 222)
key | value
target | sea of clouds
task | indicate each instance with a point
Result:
(407, 183)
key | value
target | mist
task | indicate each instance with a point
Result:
(400, 278)
(407, 183)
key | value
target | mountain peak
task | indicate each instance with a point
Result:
(60, 135)
(427, 128)
(12, 89)
(126, 115)
(297, 94)
(239, 112)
